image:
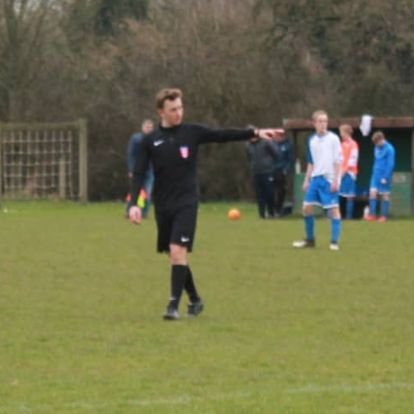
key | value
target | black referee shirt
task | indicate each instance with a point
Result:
(173, 154)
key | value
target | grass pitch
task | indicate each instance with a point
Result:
(82, 293)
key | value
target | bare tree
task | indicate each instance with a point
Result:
(23, 29)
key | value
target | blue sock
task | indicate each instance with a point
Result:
(372, 206)
(349, 208)
(309, 227)
(385, 208)
(335, 230)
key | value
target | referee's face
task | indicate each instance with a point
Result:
(172, 113)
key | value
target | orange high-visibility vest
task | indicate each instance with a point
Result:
(350, 153)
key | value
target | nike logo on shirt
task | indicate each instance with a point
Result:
(159, 142)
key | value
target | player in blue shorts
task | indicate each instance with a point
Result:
(381, 178)
(321, 183)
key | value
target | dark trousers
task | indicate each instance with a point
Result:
(280, 183)
(265, 194)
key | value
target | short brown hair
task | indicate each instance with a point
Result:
(317, 113)
(378, 136)
(167, 94)
(346, 128)
(147, 121)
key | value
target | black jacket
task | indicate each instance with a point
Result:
(262, 155)
(173, 154)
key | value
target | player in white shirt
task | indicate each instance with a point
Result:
(322, 179)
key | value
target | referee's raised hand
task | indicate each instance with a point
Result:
(135, 215)
(268, 133)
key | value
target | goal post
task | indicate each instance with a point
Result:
(44, 161)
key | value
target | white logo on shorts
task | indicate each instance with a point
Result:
(184, 239)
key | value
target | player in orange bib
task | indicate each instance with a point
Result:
(349, 168)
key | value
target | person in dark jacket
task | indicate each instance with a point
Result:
(132, 154)
(172, 149)
(282, 169)
(262, 156)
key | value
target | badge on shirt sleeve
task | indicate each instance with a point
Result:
(184, 151)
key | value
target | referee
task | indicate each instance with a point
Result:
(172, 149)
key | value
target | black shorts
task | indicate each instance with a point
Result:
(176, 226)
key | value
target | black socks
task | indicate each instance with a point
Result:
(178, 278)
(182, 278)
(190, 287)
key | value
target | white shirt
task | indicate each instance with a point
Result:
(324, 153)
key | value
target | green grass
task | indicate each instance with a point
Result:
(82, 292)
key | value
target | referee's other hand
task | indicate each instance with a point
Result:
(135, 215)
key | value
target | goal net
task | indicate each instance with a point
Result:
(42, 161)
